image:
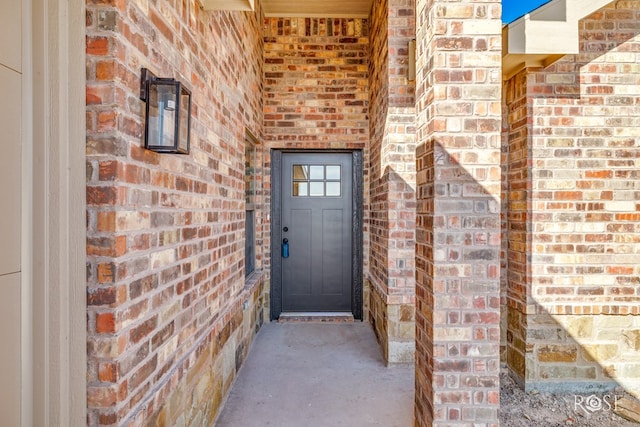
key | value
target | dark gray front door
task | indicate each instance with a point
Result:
(317, 225)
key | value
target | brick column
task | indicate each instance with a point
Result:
(458, 100)
(392, 180)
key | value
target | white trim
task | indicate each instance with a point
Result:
(26, 259)
(55, 204)
(542, 36)
(75, 198)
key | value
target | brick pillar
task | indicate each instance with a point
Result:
(458, 101)
(517, 216)
(392, 173)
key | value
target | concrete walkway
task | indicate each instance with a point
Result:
(319, 375)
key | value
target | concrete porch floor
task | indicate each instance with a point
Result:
(318, 375)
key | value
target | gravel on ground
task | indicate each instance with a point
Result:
(535, 409)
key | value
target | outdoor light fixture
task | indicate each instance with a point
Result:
(167, 114)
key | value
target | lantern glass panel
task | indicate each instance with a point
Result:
(162, 115)
(167, 113)
(184, 120)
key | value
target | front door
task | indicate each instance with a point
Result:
(316, 232)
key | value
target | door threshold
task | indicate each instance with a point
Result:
(316, 316)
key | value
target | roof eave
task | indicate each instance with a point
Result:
(541, 37)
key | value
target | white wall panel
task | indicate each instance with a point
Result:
(11, 34)
(10, 168)
(10, 364)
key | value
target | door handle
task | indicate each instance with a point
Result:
(285, 248)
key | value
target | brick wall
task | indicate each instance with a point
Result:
(504, 220)
(392, 174)
(458, 101)
(166, 292)
(516, 179)
(573, 206)
(315, 83)
(316, 90)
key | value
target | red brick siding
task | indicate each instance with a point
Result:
(392, 172)
(165, 232)
(517, 180)
(379, 191)
(458, 101)
(585, 214)
(573, 214)
(316, 88)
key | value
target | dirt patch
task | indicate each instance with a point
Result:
(534, 409)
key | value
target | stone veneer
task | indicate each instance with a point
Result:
(391, 276)
(196, 391)
(170, 313)
(458, 101)
(573, 212)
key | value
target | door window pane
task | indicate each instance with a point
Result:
(300, 172)
(300, 189)
(317, 172)
(316, 189)
(333, 172)
(333, 189)
(316, 181)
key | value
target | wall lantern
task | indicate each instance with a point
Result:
(167, 114)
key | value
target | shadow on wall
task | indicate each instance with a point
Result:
(457, 275)
(607, 59)
(391, 277)
(574, 280)
(564, 350)
(574, 353)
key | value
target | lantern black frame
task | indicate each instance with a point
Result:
(147, 81)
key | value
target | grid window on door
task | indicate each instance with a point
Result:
(317, 180)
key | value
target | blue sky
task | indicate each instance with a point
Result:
(513, 9)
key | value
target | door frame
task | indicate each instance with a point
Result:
(356, 231)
